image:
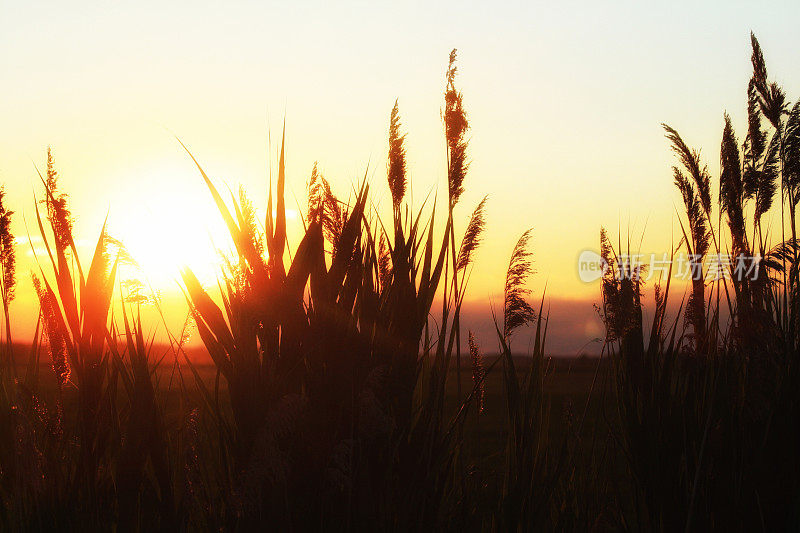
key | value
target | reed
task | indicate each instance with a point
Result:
(8, 278)
(363, 413)
(705, 416)
(337, 399)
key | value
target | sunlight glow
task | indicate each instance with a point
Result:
(173, 226)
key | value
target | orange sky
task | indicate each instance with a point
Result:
(565, 104)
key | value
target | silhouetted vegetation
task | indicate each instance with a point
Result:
(337, 400)
(708, 418)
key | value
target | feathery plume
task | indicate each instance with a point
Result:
(115, 249)
(134, 292)
(759, 177)
(188, 328)
(790, 154)
(58, 212)
(697, 218)
(697, 199)
(472, 237)
(731, 187)
(612, 311)
(622, 295)
(699, 233)
(771, 97)
(517, 310)
(757, 59)
(316, 193)
(397, 158)
(691, 162)
(324, 207)
(768, 179)
(456, 125)
(7, 253)
(756, 138)
(249, 229)
(54, 331)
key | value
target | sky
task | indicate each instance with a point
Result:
(565, 102)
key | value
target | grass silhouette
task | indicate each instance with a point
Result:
(337, 399)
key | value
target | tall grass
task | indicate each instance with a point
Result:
(707, 417)
(339, 401)
(332, 405)
(79, 450)
(333, 366)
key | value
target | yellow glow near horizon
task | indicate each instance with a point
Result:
(174, 226)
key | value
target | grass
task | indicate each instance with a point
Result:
(341, 398)
(707, 412)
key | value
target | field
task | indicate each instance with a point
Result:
(571, 387)
(341, 391)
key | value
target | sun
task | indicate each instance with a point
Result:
(171, 223)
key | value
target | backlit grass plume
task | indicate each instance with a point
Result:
(761, 168)
(75, 307)
(456, 125)
(533, 466)
(337, 375)
(760, 163)
(56, 338)
(8, 280)
(790, 156)
(621, 290)
(516, 310)
(472, 236)
(690, 159)
(731, 189)
(397, 158)
(58, 213)
(729, 392)
(696, 192)
(771, 97)
(324, 208)
(7, 253)
(249, 228)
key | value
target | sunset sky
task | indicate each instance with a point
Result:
(565, 102)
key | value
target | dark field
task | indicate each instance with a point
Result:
(571, 387)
